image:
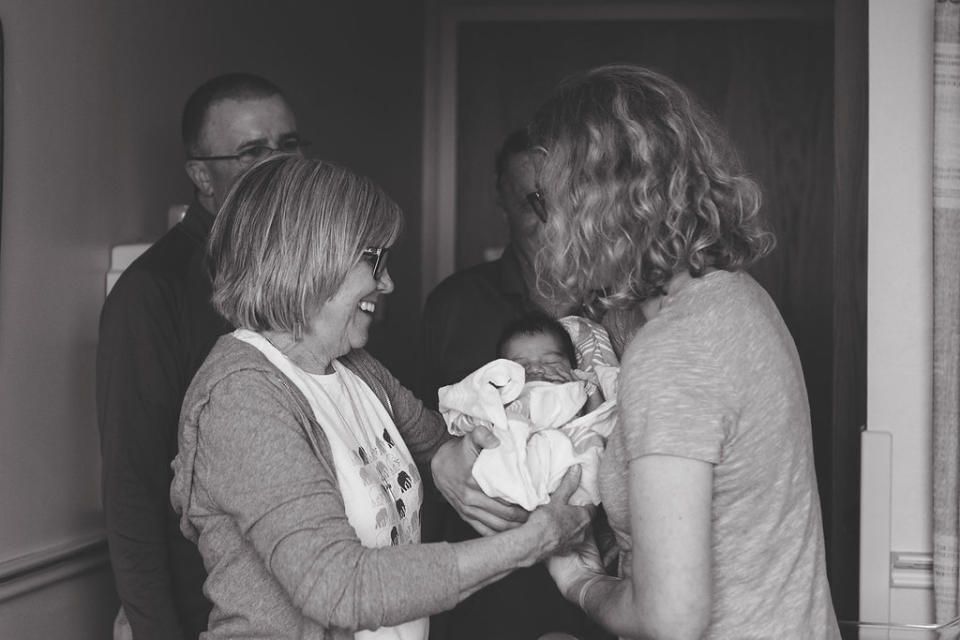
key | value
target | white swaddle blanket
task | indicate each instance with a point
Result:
(538, 428)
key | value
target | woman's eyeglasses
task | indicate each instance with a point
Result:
(377, 257)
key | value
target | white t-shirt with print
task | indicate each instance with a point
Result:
(381, 487)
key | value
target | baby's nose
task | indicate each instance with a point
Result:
(534, 372)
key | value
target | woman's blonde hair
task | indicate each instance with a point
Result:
(287, 234)
(640, 183)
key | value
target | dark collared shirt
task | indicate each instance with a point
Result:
(464, 316)
(156, 328)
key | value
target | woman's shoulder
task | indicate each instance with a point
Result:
(232, 367)
(718, 299)
(733, 289)
(238, 379)
(230, 354)
(692, 317)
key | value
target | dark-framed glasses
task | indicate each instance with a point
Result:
(539, 205)
(377, 257)
(251, 155)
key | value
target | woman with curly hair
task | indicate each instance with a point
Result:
(708, 481)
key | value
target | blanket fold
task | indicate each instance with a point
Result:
(540, 434)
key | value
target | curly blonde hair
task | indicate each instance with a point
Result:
(640, 184)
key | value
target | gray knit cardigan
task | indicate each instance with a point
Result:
(256, 489)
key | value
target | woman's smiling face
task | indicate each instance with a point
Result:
(343, 321)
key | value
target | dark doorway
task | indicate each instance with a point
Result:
(773, 85)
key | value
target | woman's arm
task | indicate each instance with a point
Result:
(668, 594)
(255, 466)
(551, 528)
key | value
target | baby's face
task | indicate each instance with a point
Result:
(541, 357)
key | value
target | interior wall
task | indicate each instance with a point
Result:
(81, 608)
(91, 158)
(900, 276)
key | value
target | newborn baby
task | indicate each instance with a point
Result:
(544, 349)
(547, 413)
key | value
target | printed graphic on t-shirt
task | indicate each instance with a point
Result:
(394, 489)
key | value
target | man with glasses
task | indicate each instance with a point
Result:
(465, 313)
(462, 322)
(156, 328)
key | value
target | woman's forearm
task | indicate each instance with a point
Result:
(609, 600)
(614, 603)
(552, 527)
(668, 592)
(483, 561)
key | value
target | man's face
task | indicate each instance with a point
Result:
(232, 126)
(519, 180)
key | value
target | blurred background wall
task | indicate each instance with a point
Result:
(91, 158)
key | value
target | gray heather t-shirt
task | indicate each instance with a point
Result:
(715, 376)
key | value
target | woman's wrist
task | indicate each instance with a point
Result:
(540, 525)
(582, 588)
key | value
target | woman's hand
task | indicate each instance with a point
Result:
(554, 526)
(564, 525)
(452, 467)
(571, 570)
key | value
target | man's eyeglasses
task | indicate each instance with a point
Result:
(251, 155)
(377, 257)
(539, 205)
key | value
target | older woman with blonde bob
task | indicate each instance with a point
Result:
(708, 480)
(296, 472)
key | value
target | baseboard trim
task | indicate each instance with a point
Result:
(41, 569)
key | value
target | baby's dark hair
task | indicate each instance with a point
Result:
(536, 323)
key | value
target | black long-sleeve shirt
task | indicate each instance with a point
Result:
(156, 328)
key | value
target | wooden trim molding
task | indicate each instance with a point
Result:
(43, 568)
